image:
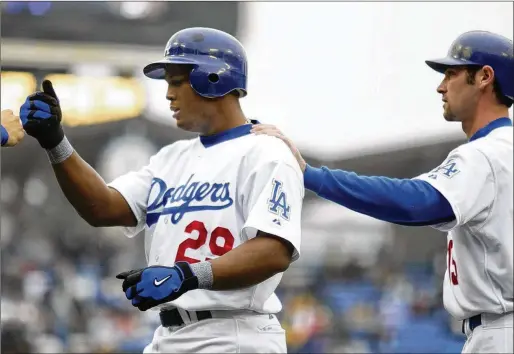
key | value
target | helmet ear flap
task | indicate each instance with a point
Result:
(210, 81)
(204, 81)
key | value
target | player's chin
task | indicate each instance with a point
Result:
(181, 123)
(185, 125)
(448, 116)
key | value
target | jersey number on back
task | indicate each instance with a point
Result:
(452, 273)
(218, 234)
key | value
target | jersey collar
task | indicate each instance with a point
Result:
(242, 130)
(498, 123)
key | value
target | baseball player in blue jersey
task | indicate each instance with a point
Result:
(469, 195)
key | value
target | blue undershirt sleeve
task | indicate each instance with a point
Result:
(408, 202)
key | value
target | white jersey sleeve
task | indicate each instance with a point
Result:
(273, 194)
(135, 187)
(466, 180)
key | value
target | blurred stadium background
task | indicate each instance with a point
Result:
(326, 78)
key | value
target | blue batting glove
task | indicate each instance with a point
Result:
(41, 116)
(155, 285)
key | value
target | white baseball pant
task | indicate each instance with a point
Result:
(225, 332)
(494, 335)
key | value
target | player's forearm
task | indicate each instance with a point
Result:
(401, 201)
(251, 263)
(86, 191)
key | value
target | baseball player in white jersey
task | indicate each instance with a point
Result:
(469, 195)
(221, 213)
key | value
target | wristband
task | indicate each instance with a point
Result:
(203, 271)
(61, 152)
(5, 135)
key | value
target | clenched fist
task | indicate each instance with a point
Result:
(41, 114)
(12, 128)
(155, 285)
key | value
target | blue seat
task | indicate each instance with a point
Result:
(453, 345)
(343, 296)
(421, 335)
(133, 345)
(420, 276)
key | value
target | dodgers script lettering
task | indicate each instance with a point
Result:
(186, 198)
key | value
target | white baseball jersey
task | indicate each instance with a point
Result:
(476, 179)
(198, 199)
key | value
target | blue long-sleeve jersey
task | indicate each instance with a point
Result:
(400, 201)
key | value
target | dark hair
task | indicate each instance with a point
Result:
(504, 100)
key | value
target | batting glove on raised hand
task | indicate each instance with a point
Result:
(41, 116)
(155, 285)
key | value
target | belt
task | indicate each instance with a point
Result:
(173, 318)
(472, 322)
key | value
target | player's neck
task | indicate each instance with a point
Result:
(228, 116)
(483, 117)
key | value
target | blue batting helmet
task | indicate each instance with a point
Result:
(482, 48)
(218, 60)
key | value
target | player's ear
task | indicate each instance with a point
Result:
(486, 76)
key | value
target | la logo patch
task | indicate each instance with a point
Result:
(277, 204)
(448, 169)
